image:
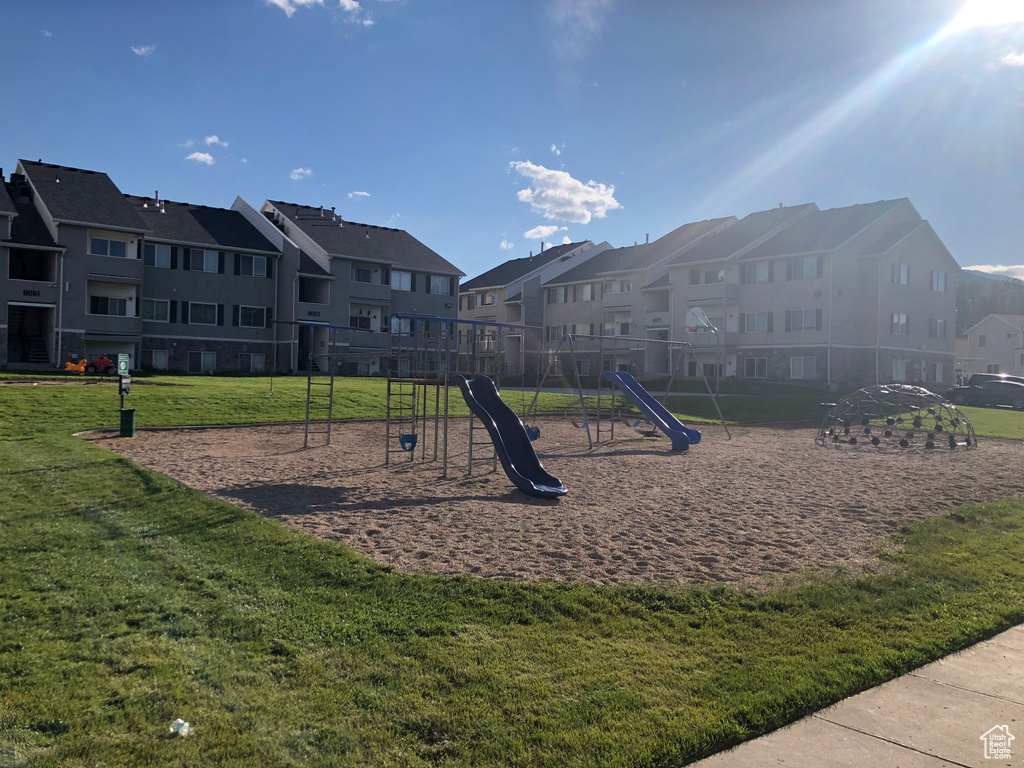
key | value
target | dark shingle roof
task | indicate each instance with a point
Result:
(6, 203)
(893, 236)
(186, 223)
(512, 270)
(822, 230)
(739, 235)
(365, 241)
(86, 197)
(309, 267)
(634, 257)
(28, 227)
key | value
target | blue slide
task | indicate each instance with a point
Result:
(682, 437)
(510, 440)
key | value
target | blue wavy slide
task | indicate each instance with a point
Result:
(511, 443)
(682, 437)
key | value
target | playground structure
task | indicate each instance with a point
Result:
(895, 415)
(102, 364)
(427, 353)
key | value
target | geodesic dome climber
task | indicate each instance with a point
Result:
(896, 415)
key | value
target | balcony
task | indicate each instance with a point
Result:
(714, 293)
(113, 324)
(706, 339)
(657, 319)
(374, 292)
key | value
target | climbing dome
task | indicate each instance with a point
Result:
(896, 415)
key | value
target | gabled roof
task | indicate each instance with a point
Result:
(309, 267)
(634, 257)
(199, 224)
(6, 203)
(28, 227)
(1014, 321)
(78, 196)
(353, 240)
(512, 270)
(740, 235)
(892, 237)
(821, 231)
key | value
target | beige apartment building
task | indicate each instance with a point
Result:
(840, 298)
(993, 345)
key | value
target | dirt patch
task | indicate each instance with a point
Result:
(767, 503)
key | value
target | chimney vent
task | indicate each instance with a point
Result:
(648, 241)
(156, 196)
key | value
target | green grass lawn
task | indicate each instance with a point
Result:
(128, 600)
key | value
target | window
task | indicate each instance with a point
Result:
(202, 362)
(157, 256)
(361, 275)
(251, 362)
(360, 321)
(557, 295)
(583, 329)
(758, 273)
(108, 305)
(469, 301)
(803, 320)
(556, 332)
(202, 314)
(801, 367)
(694, 278)
(251, 317)
(898, 325)
(158, 359)
(583, 367)
(252, 266)
(203, 261)
(585, 292)
(939, 281)
(937, 373)
(488, 298)
(620, 286)
(401, 324)
(755, 368)
(402, 281)
(756, 322)
(157, 310)
(899, 370)
(625, 286)
(804, 267)
(993, 368)
(901, 274)
(936, 328)
(714, 276)
(982, 340)
(441, 285)
(99, 246)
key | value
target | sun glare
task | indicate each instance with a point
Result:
(989, 13)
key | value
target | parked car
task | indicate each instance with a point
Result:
(991, 392)
(979, 378)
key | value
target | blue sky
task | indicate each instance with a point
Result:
(484, 128)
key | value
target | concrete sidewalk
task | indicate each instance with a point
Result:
(933, 717)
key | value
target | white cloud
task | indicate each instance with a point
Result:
(1013, 60)
(556, 149)
(215, 140)
(46, 33)
(245, 160)
(538, 233)
(579, 22)
(202, 157)
(143, 50)
(1015, 270)
(566, 240)
(301, 173)
(357, 14)
(506, 245)
(357, 195)
(187, 144)
(558, 196)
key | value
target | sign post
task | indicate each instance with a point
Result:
(124, 388)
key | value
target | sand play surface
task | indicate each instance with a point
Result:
(767, 503)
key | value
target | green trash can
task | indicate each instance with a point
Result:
(127, 422)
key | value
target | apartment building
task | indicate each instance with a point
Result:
(845, 297)
(512, 293)
(89, 270)
(995, 344)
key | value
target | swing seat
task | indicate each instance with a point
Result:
(408, 442)
(635, 424)
(533, 433)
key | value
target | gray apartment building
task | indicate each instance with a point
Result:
(89, 270)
